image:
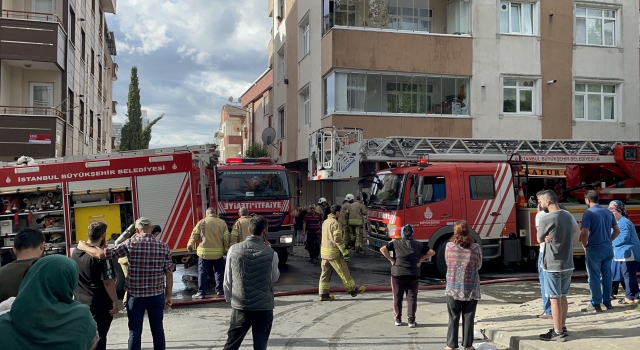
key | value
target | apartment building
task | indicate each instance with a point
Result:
(526, 69)
(256, 101)
(56, 77)
(231, 137)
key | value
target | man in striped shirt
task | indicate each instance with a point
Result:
(311, 226)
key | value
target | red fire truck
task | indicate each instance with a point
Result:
(172, 187)
(432, 183)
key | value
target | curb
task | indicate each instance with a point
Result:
(514, 342)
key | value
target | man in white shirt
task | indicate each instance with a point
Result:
(546, 304)
(249, 275)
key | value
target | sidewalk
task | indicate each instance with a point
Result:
(516, 325)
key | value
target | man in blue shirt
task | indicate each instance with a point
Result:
(599, 229)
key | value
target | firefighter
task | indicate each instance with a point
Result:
(356, 213)
(210, 232)
(239, 230)
(335, 257)
(323, 208)
(343, 219)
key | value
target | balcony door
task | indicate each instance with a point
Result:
(41, 98)
(44, 9)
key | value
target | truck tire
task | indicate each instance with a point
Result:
(283, 255)
(119, 278)
(441, 264)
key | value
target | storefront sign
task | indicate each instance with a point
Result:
(44, 139)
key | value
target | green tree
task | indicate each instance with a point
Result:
(134, 137)
(256, 150)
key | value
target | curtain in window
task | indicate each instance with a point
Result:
(341, 92)
(356, 87)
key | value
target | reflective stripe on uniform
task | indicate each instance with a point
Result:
(330, 253)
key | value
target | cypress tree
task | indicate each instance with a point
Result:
(132, 133)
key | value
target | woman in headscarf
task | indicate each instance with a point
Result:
(626, 252)
(44, 314)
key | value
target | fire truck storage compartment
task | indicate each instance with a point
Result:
(512, 250)
(110, 214)
(39, 207)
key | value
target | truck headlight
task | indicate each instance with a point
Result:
(286, 239)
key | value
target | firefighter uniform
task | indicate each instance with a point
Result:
(347, 233)
(239, 231)
(356, 214)
(210, 232)
(334, 258)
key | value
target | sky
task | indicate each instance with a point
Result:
(192, 55)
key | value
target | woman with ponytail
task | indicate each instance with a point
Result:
(464, 258)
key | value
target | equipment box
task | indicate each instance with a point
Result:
(110, 214)
(6, 227)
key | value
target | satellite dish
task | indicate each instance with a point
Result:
(268, 135)
(230, 98)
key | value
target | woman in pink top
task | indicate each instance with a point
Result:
(464, 258)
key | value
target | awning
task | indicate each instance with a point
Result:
(544, 171)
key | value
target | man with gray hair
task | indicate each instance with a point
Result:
(239, 230)
(210, 232)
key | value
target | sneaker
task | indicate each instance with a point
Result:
(398, 322)
(412, 325)
(591, 308)
(198, 296)
(326, 297)
(565, 331)
(552, 335)
(358, 290)
(220, 294)
(609, 307)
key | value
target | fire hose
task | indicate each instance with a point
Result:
(371, 289)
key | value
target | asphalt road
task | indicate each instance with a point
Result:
(302, 322)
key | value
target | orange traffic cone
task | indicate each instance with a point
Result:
(522, 202)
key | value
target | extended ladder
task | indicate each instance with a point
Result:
(197, 151)
(331, 149)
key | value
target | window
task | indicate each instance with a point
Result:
(41, 95)
(42, 8)
(389, 93)
(84, 44)
(72, 26)
(82, 121)
(305, 111)
(305, 44)
(91, 123)
(93, 6)
(517, 17)
(518, 96)
(393, 15)
(70, 108)
(93, 62)
(99, 128)
(100, 73)
(481, 187)
(265, 106)
(283, 68)
(595, 26)
(595, 102)
(281, 122)
(431, 189)
(281, 9)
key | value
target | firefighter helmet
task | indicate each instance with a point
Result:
(349, 197)
(322, 200)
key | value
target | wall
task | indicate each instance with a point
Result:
(5, 84)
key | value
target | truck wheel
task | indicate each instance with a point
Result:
(283, 255)
(441, 264)
(119, 278)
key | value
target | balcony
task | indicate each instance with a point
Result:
(31, 111)
(114, 72)
(232, 140)
(36, 131)
(108, 6)
(32, 36)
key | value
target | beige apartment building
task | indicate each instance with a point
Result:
(56, 77)
(231, 137)
(526, 69)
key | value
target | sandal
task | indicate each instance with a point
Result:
(626, 301)
(545, 316)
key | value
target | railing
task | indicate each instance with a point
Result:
(35, 111)
(100, 33)
(35, 16)
(99, 145)
(99, 89)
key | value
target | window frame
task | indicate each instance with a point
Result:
(282, 122)
(283, 63)
(535, 20)
(420, 181)
(304, 28)
(305, 96)
(41, 84)
(265, 105)
(617, 97)
(601, 7)
(535, 97)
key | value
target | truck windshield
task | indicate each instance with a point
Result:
(386, 192)
(253, 184)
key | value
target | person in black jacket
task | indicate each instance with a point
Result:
(405, 272)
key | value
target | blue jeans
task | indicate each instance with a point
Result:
(599, 271)
(204, 269)
(136, 306)
(546, 303)
(629, 270)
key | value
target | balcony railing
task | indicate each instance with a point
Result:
(99, 145)
(33, 111)
(99, 89)
(35, 16)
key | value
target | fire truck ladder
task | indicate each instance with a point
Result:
(330, 148)
(208, 150)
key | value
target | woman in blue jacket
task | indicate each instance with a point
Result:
(626, 249)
